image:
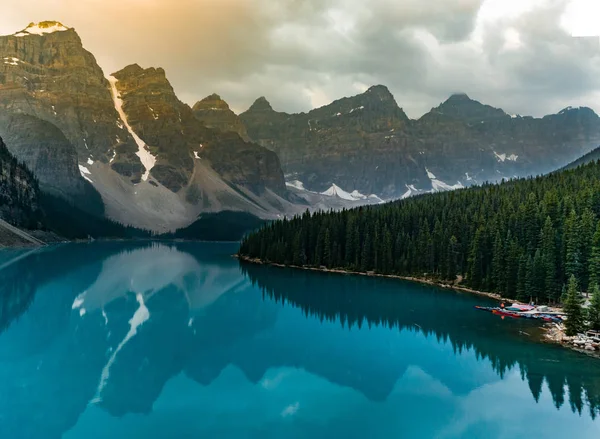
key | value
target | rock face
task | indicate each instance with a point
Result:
(45, 72)
(44, 149)
(215, 113)
(18, 192)
(367, 143)
(177, 138)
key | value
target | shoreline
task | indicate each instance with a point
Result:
(553, 334)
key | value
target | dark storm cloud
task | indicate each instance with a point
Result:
(302, 53)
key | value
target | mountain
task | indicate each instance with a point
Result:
(214, 112)
(154, 163)
(592, 156)
(367, 143)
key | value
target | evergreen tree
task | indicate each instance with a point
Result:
(476, 272)
(522, 279)
(498, 265)
(453, 254)
(327, 255)
(574, 323)
(594, 310)
(538, 277)
(594, 264)
(548, 247)
(586, 233)
(573, 254)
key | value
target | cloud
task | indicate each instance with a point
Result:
(515, 54)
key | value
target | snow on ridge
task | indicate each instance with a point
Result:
(376, 198)
(410, 191)
(196, 156)
(42, 29)
(146, 157)
(296, 184)
(335, 190)
(440, 186)
(358, 195)
(357, 109)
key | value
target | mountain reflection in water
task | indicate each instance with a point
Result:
(120, 340)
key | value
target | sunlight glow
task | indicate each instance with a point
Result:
(582, 18)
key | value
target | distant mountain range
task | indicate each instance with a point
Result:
(367, 143)
(125, 147)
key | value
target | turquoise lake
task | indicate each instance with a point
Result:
(161, 340)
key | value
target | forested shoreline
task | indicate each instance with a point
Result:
(523, 239)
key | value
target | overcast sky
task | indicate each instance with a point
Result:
(514, 54)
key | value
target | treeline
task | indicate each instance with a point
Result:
(18, 191)
(523, 239)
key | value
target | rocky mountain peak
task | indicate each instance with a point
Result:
(261, 104)
(214, 112)
(212, 102)
(42, 28)
(459, 97)
(460, 105)
(381, 91)
(585, 112)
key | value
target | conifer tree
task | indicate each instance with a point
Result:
(476, 273)
(522, 279)
(498, 264)
(573, 254)
(594, 309)
(548, 247)
(574, 323)
(327, 256)
(594, 267)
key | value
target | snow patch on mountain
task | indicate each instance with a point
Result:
(297, 184)
(357, 195)
(503, 157)
(12, 61)
(336, 191)
(440, 186)
(410, 191)
(375, 198)
(85, 172)
(45, 27)
(146, 157)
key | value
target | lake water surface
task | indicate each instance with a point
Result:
(147, 340)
